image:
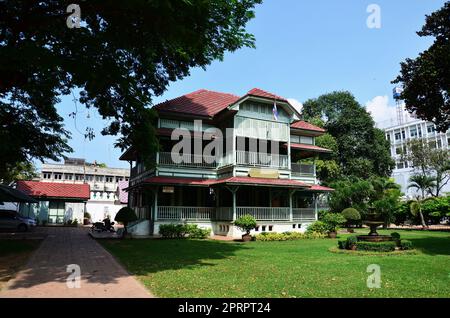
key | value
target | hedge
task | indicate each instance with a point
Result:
(182, 230)
(406, 245)
(376, 246)
(288, 236)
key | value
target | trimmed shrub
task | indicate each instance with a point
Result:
(194, 232)
(125, 215)
(395, 235)
(376, 246)
(171, 231)
(406, 245)
(342, 244)
(315, 235)
(317, 227)
(246, 223)
(287, 236)
(351, 215)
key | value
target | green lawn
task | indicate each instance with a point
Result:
(303, 268)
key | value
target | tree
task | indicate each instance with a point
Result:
(385, 198)
(428, 160)
(421, 183)
(426, 79)
(20, 171)
(123, 54)
(362, 150)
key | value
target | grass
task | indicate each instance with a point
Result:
(13, 255)
(303, 268)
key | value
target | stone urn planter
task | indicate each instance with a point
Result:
(332, 234)
(373, 220)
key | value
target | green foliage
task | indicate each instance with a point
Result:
(406, 245)
(125, 215)
(121, 57)
(18, 171)
(171, 231)
(333, 221)
(317, 227)
(425, 79)
(376, 246)
(351, 215)
(194, 232)
(422, 183)
(360, 149)
(246, 223)
(87, 215)
(288, 236)
(395, 236)
(348, 243)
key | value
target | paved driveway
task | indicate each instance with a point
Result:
(45, 274)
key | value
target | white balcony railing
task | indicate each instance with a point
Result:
(303, 214)
(302, 169)
(189, 213)
(264, 213)
(262, 159)
(185, 213)
(188, 160)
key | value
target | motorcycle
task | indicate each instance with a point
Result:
(105, 226)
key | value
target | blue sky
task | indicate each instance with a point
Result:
(304, 48)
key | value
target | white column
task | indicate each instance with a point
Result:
(315, 207)
(234, 203)
(155, 204)
(291, 216)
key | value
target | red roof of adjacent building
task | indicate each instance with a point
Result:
(306, 126)
(54, 190)
(260, 93)
(309, 147)
(202, 103)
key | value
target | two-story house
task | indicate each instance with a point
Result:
(265, 166)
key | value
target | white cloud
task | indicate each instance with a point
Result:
(382, 113)
(296, 104)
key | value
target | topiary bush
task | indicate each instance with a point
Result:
(376, 246)
(125, 215)
(342, 244)
(348, 244)
(352, 216)
(395, 235)
(246, 223)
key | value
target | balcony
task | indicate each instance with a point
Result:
(188, 160)
(262, 159)
(190, 213)
(303, 170)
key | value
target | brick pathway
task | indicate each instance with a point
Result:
(45, 273)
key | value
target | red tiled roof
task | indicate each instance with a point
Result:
(309, 147)
(260, 93)
(317, 187)
(300, 124)
(54, 190)
(201, 103)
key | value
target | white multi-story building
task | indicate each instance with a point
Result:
(103, 181)
(399, 134)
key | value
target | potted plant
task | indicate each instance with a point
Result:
(333, 221)
(246, 223)
(125, 216)
(87, 218)
(352, 216)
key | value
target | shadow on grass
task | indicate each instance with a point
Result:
(432, 245)
(145, 256)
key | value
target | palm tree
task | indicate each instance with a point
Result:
(423, 184)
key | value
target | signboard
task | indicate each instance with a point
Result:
(263, 173)
(168, 189)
